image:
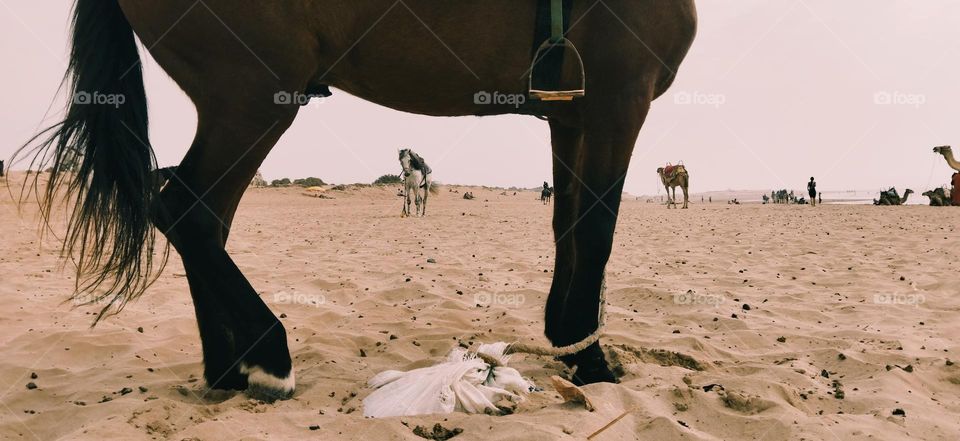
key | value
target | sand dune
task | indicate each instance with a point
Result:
(727, 322)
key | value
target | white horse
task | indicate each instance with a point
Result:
(416, 181)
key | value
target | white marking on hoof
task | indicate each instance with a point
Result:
(264, 385)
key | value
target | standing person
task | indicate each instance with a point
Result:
(1, 169)
(812, 191)
(820, 198)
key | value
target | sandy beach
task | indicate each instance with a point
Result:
(726, 322)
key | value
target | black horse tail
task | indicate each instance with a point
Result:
(101, 159)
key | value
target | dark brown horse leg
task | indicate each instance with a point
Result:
(590, 165)
(244, 345)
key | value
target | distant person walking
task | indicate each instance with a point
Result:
(1, 169)
(812, 191)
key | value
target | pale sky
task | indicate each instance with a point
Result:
(788, 89)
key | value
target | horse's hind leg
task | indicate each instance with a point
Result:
(244, 345)
(589, 169)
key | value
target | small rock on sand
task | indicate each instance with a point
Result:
(439, 433)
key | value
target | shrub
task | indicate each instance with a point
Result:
(309, 182)
(285, 182)
(388, 180)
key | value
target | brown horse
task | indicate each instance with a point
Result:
(249, 65)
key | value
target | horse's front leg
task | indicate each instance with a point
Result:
(590, 166)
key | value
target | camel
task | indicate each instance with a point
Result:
(674, 176)
(891, 197)
(947, 153)
(938, 198)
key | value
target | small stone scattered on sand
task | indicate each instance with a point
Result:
(439, 433)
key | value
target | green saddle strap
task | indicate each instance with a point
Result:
(556, 21)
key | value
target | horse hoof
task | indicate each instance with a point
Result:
(594, 374)
(268, 387)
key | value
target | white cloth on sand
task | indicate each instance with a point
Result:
(463, 382)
